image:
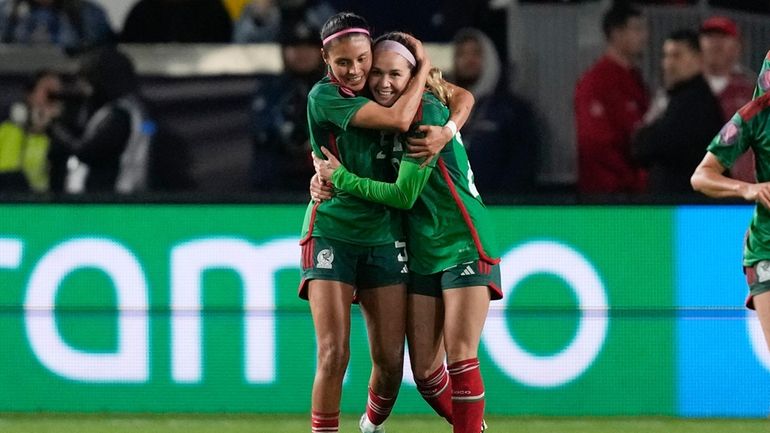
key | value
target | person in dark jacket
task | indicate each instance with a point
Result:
(501, 136)
(109, 150)
(672, 144)
(281, 152)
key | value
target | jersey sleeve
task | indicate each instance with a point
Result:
(733, 140)
(328, 103)
(433, 113)
(402, 194)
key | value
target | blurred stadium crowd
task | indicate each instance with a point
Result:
(637, 110)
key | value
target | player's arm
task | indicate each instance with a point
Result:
(435, 137)
(710, 180)
(399, 116)
(402, 194)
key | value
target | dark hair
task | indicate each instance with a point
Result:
(342, 21)
(687, 37)
(617, 17)
(110, 72)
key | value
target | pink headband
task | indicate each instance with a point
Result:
(398, 48)
(344, 32)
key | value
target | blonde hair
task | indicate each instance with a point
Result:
(437, 85)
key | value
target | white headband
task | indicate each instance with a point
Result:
(398, 48)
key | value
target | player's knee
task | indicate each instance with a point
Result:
(333, 358)
(389, 359)
(461, 351)
(422, 372)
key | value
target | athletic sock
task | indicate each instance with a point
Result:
(467, 396)
(378, 407)
(437, 391)
(326, 422)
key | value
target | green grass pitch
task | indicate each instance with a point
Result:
(183, 423)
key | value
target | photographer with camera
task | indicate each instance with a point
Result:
(109, 150)
(24, 143)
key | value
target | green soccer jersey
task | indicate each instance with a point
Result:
(750, 128)
(346, 217)
(448, 223)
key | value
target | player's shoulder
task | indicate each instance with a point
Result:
(755, 108)
(321, 87)
(432, 105)
(327, 88)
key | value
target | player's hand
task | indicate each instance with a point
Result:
(325, 167)
(320, 190)
(419, 50)
(431, 144)
(760, 193)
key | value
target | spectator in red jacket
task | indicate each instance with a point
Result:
(731, 82)
(610, 101)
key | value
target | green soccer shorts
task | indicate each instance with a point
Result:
(758, 279)
(360, 266)
(476, 273)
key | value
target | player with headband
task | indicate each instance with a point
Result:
(352, 247)
(454, 270)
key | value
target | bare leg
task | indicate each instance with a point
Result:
(762, 307)
(330, 306)
(425, 322)
(466, 312)
(384, 309)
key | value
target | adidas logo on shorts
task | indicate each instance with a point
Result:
(467, 271)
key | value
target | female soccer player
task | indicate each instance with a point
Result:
(453, 272)
(349, 246)
(749, 128)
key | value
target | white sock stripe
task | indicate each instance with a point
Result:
(438, 379)
(437, 393)
(326, 429)
(463, 369)
(325, 417)
(469, 397)
(461, 365)
(381, 397)
(377, 408)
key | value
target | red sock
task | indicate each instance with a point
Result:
(467, 396)
(437, 391)
(378, 408)
(326, 422)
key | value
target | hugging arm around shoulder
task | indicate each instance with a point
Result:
(402, 194)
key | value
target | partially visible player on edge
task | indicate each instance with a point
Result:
(453, 270)
(748, 129)
(350, 246)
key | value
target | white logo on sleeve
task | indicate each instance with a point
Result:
(325, 258)
(763, 271)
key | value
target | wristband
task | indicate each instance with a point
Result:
(452, 127)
